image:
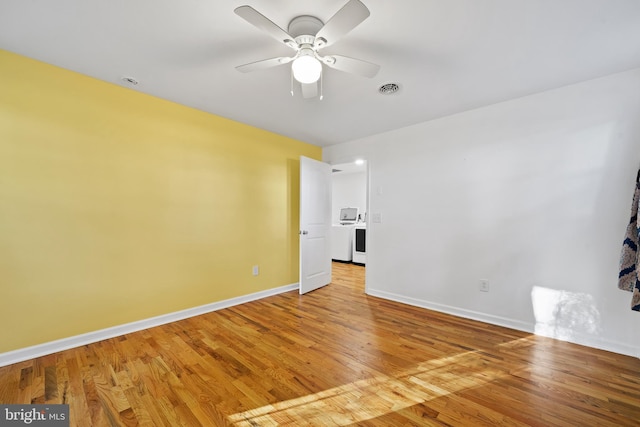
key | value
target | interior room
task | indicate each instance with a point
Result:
(480, 160)
(349, 212)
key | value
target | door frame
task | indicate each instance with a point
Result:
(352, 159)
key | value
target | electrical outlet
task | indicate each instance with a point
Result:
(484, 285)
(256, 270)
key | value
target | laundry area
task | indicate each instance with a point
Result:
(348, 213)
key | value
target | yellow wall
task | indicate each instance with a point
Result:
(116, 206)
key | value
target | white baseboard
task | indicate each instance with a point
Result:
(39, 350)
(575, 338)
(456, 311)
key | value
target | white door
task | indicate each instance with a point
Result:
(315, 224)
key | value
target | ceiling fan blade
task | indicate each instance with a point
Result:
(309, 90)
(260, 21)
(265, 63)
(345, 20)
(351, 65)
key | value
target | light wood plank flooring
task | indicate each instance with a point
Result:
(332, 357)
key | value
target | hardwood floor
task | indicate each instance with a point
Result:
(332, 357)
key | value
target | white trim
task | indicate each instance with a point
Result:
(456, 311)
(581, 339)
(32, 352)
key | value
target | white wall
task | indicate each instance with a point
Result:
(348, 190)
(532, 194)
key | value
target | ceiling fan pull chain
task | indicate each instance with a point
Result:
(321, 86)
(291, 69)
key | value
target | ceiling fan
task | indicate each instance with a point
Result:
(307, 35)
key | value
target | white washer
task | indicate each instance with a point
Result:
(342, 242)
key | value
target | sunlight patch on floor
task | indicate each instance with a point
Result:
(374, 397)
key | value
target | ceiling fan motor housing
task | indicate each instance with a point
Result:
(305, 27)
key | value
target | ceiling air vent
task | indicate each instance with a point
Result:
(388, 88)
(130, 81)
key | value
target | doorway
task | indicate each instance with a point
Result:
(349, 191)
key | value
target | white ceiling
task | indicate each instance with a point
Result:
(447, 55)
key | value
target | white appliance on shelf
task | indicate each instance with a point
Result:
(348, 216)
(360, 244)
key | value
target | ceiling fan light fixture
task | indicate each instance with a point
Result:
(306, 69)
